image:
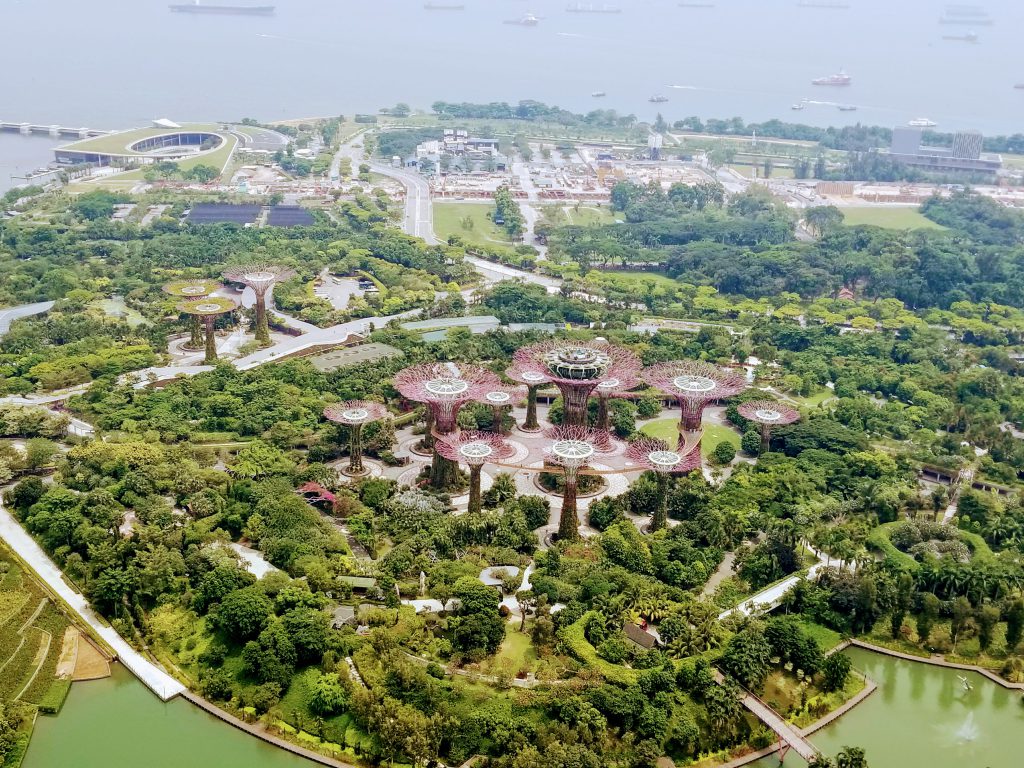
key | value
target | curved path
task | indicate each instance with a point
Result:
(8, 316)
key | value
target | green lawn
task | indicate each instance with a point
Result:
(888, 217)
(667, 430)
(448, 218)
(516, 652)
(816, 399)
(626, 279)
(589, 215)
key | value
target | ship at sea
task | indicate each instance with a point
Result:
(970, 37)
(840, 78)
(598, 94)
(847, 107)
(231, 10)
(921, 122)
(658, 99)
(528, 20)
(589, 8)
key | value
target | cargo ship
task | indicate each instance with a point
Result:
(841, 78)
(970, 37)
(232, 10)
(658, 99)
(921, 122)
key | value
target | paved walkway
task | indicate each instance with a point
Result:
(158, 681)
(8, 316)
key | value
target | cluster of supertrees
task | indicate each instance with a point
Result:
(580, 370)
(198, 301)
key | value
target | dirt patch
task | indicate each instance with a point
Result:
(68, 654)
(92, 663)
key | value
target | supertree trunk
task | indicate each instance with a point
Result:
(691, 415)
(531, 422)
(211, 340)
(355, 449)
(262, 327)
(660, 518)
(444, 473)
(575, 399)
(568, 522)
(196, 329)
(766, 438)
(602, 413)
(474, 488)
(497, 416)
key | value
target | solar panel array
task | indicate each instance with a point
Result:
(290, 216)
(214, 213)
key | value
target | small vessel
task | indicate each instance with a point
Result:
(659, 99)
(443, 7)
(973, 21)
(970, 37)
(229, 10)
(840, 78)
(528, 20)
(847, 108)
(798, 106)
(921, 122)
(598, 94)
(589, 8)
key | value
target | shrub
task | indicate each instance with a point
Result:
(723, 453)
(836, 668)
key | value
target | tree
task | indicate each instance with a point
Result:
(39, 452)
(822, 219)
(746, 656)
(244, 612)
(926, 618)
(724, 453)
(962, 613)
(1014, 623)
(328, 697)
(987, 617)
(751, 443)
(851, 757)
(836, 668)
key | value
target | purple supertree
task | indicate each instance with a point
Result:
(207, 310)
(444, 388)
(354, 414)
(572, 448)
(500, 399)
(609, 388)
(767, 414)
(259, 276)
(533, 380)
(695, 384)
(655, 455)
(577, 368)
(474, 449)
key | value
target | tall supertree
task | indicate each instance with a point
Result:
(577, 368)
(193, 289)
(767, 414)
(695, 384)
(533, 382)
(259, 276)
(655, 455)
(207, 310)
(444, 388)
(609, 388)
(474, 449)
(500, 399)
(572, 448)
(354, 414)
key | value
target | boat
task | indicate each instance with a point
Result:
(974, 22)
(970, 37)
(798, 106)
(847, 108)
(921, 122)
(229, 10)
(528, 20)
(840, 78)
(598, 94)
(588, 8)
(443, 7)
(659, 99)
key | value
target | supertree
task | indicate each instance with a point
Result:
(500, 399)
(767, 414)
(192, 289)
(207, 310)
(609, 388)
(474, 449)
(572, 448)
(533, 381)
(695, 384)
(577, 368)
(655, 455)
(354, 414)
(444, 388)
(259, 276)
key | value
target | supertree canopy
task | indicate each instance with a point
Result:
(500, 399)
(767, 414)
(695, 384)
(609, 388)
(474, 449)
(533, 381)
(192, 289)
(259, 276)
(207, 309)
(577, 368)
(354, 414)
(655, 455)
(444, 388)
(572, 448)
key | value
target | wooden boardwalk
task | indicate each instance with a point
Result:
(789, 736)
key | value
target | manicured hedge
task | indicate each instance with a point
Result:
(576, 643)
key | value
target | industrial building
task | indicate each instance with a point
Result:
(965, 155)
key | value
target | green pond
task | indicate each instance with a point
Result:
(118, 723)
(921, 715)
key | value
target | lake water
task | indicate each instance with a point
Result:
(117, 723)
(922, 716)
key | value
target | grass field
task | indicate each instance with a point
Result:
(888, 217)
(668, 430)
(626, 279)
(448, 219)
(587, 216)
